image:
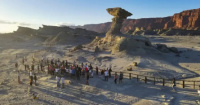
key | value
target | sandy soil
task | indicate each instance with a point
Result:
(150, 63)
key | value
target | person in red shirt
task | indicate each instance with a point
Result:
(86, 70)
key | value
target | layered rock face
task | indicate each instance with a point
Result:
(186, 20)
(25, 30)
(189, 19)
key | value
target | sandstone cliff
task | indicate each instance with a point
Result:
(187, 20)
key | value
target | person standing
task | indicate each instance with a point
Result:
(63, 82)
(115, 78)
(32, 67)
(174, 84)
(58, 81)
(16, 66)
(82, 64)
(106, 75)
(31, 78)
(120, 77)
(77, 73)
(35, 78)
(110, 70)
(19, 81)
(97, 70)
(87, 78)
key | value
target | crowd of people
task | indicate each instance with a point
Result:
(62, 69)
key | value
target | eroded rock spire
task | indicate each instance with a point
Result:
(119, 16)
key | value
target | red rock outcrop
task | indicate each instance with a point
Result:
(189, 19)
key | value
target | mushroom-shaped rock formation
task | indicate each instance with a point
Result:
(115, 40)
(119, 16)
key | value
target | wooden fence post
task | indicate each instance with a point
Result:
(137, 78)
(154, 80)
(163, 82)
(183, 84)
(145, 79)
(194, 84)
(129, 75)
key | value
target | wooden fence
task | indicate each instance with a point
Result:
(190, 84)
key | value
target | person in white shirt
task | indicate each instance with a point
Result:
(31, 73)
(31, 78)
(198, 91)
(57, 70)
(106, 75)
(63, 81)
(58, 81)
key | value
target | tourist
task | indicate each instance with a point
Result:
(115, 78)
(67, 71)
(174, 84)
(77, 73)
(66, 63)
(53, 70)
(106, 75)
(62, 70)
(31, 78)
(91, 73)
(97, 70)
(86, 65)
(32, 67)
(58, 81)
(19, 81)
(35, 78)
(63, 82)
(57, 69)
(82, 64)
(16, 66)
(74, 62)
(86, 69)
(73, 70)
(91, 66)
(120, 77)
(87, 78)
(83, 72)
(102, 71)
(80, 70)
(110, 70)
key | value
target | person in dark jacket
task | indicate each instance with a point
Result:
(173, 84)
(97, 70)
(109, 71)
(120, 77)
(35, 78)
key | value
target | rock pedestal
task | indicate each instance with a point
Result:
(119, 16)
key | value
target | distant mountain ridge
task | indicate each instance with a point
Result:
(185, 20)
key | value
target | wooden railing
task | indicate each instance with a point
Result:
(191, 84)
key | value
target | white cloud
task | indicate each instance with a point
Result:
(14, 23)
(10, 26)
(65, 24)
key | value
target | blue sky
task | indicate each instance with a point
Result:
(34, 13)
